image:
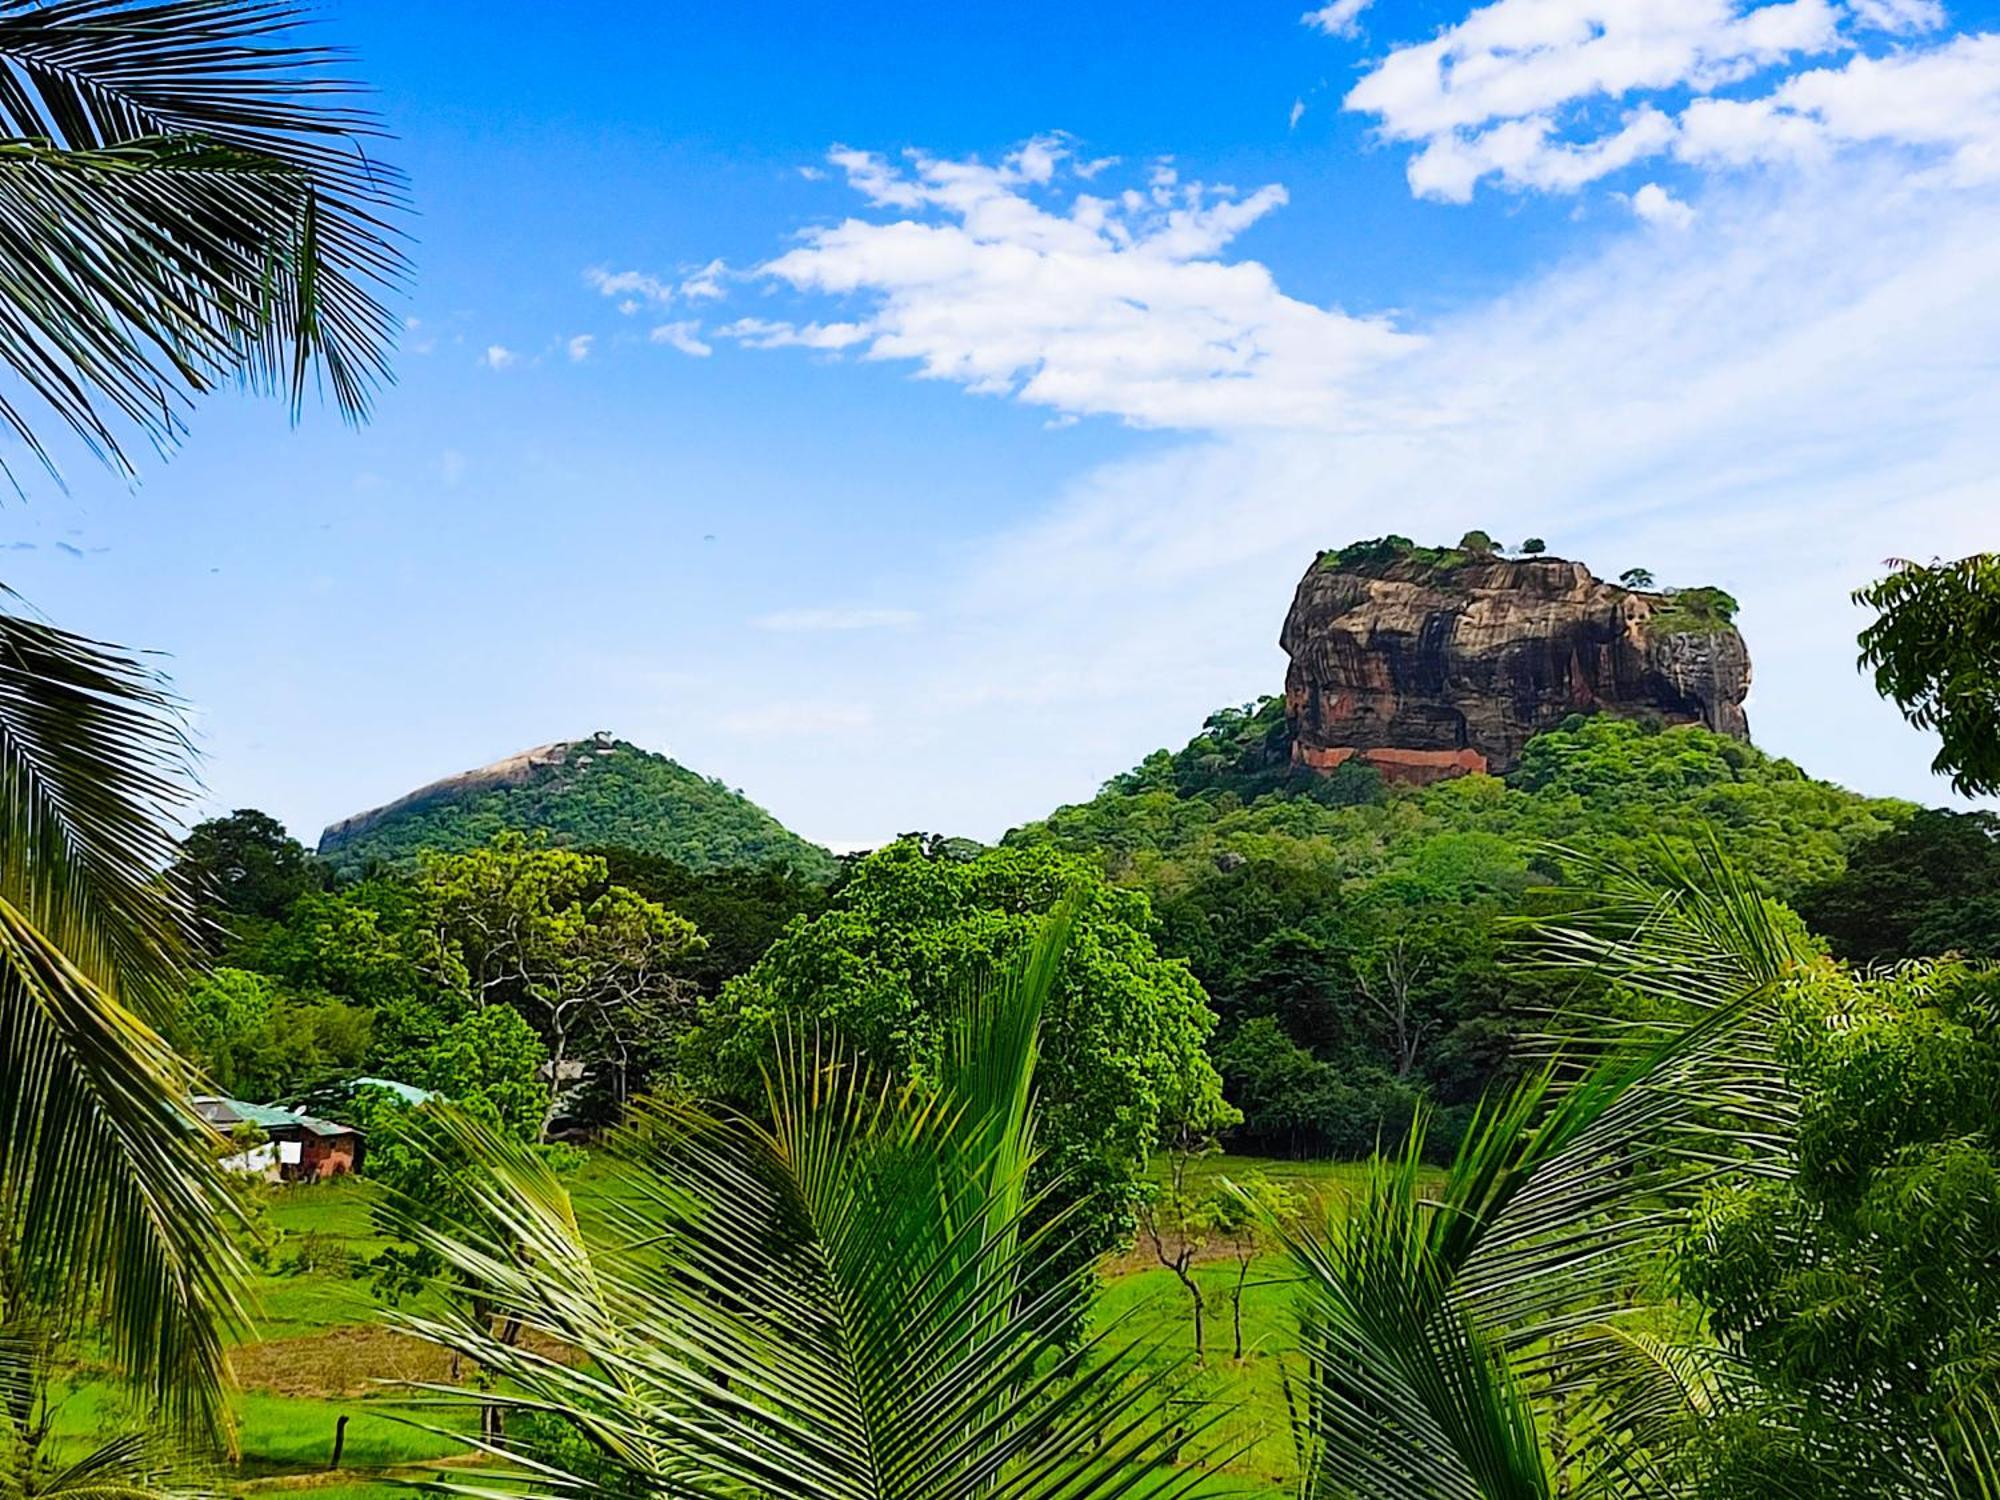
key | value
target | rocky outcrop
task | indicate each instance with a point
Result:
(1428, 664)
(515, 770)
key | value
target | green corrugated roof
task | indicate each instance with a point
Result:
(409, 1093)
(270, 1117)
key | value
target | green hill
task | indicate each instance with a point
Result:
(1353, 935)
(598, 792)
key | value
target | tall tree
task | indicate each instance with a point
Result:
(594, 967)
(1935, 649)
(187, 202)
(836, 1300)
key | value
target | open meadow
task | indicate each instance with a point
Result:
(318, 1352)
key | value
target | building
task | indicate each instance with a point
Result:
(296, 1147)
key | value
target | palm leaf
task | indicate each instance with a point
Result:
(108, 1196)
(834, 1304)
(184, 199)
(1444, 1335)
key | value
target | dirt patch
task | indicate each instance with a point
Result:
(353, 1361)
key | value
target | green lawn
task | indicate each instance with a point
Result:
(309, 1360)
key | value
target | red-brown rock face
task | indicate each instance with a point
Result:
(1428, 670)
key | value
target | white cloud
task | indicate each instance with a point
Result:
(1656, 205)
(579, 347)
(1015, 279)
(1339, 18)
(684, 336)
(1298, 113)
(1551, 95)
(762, 333)
(633, 287)
(1898, 16)
(815, 620)
(1942, 100)
(499, 357)
(705, 284)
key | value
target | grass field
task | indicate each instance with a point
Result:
(317, 1352)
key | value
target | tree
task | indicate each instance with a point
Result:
(591, 965)
(1859, 1288)
(1483, 1337)
(256, 1039)
(1478, 543)
(1921, 890)
(1636, 578)
(1935, 649)
(187, 208)
(1534, 546)
(830, 1297)
(1237, 1212)
(905, 936)
(245, 865)
(1176, 1221)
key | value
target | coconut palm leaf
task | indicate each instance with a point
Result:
(184, 199)
(109, 1202)
(841, 1302)
(1476, 1343)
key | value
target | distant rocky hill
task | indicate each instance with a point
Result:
(600, 791)
(1433, 662)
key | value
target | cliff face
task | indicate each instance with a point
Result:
(1429, 668)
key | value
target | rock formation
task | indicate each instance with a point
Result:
(1428, 663)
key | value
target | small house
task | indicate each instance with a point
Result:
(297, 1147)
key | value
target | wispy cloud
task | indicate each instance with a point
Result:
(837, 619)
(1341, 18)
(631, 286)
(685, 336)
(499, 357)
(579, 347)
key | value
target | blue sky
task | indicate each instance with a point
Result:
(914, 415)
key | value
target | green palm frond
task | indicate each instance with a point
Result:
(1476, 1343)
(185, 199)
(109, 1200)
(839, 1303)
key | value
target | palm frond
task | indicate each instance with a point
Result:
(108, 1195)
(839, 1303)
(186, 197)
(1442, 1334)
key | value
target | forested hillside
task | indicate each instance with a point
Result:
(595, 793)
(1351, 935)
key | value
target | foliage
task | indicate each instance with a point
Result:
(836, 1302)
(1484, 1339)
(257, 1040)
(590, 964)
(190, 209)
(244, 865)
(1860, 1289)
(111, 1209)
(1478, 543)
(1697, 611)
(901, 941)
(1928, 887)
(185, 208)
(1636, 578)
(740, 911)
(1534, 546)
(1294, 911)
(1935, 649)
(599, 796)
